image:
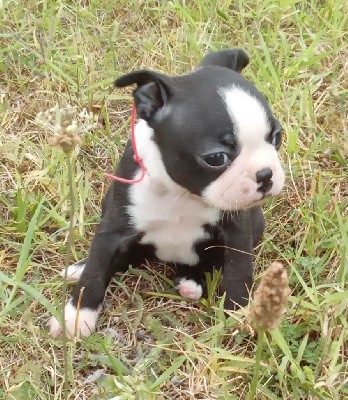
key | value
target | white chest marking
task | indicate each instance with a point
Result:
(171, 218)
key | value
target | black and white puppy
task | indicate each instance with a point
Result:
(209, 143)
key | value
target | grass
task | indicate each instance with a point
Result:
(151, 344)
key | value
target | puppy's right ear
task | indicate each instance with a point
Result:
(235, 59)
(151, 94)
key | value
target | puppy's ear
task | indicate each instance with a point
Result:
(235, 59)
(151, 94)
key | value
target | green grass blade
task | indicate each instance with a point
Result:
(33, 293)
(279, 339)
(167, 373)
(24, 257)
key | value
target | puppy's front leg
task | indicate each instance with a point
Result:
(238, 265)
(109, 254)
(237, 280)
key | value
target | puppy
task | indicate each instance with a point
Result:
(209, 142)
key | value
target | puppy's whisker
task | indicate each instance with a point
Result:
(229, 248)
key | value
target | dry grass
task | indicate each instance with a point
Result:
(151, 344)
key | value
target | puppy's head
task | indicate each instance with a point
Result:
(214, 131)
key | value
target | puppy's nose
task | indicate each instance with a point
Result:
(264, 176)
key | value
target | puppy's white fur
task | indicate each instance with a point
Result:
(189, 289)
(78, 322)
(248, 116)
(74, 272)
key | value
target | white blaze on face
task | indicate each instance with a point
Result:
(236, 188)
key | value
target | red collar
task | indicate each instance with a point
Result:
(137, 159)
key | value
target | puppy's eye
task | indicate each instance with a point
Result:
(217, 159)
(275, 138)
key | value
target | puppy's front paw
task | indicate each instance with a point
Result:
(78, 322)
(189, 289)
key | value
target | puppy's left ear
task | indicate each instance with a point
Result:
(235, 59)
(151, 94)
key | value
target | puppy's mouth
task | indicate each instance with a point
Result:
(255, 203)
(237, 207)
(266, 195)
(259, 202)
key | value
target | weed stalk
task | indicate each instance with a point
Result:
(258, 356)
(269, 304)
(68, 258)
(66, 124)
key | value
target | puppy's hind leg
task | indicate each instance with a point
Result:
(189, 282)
